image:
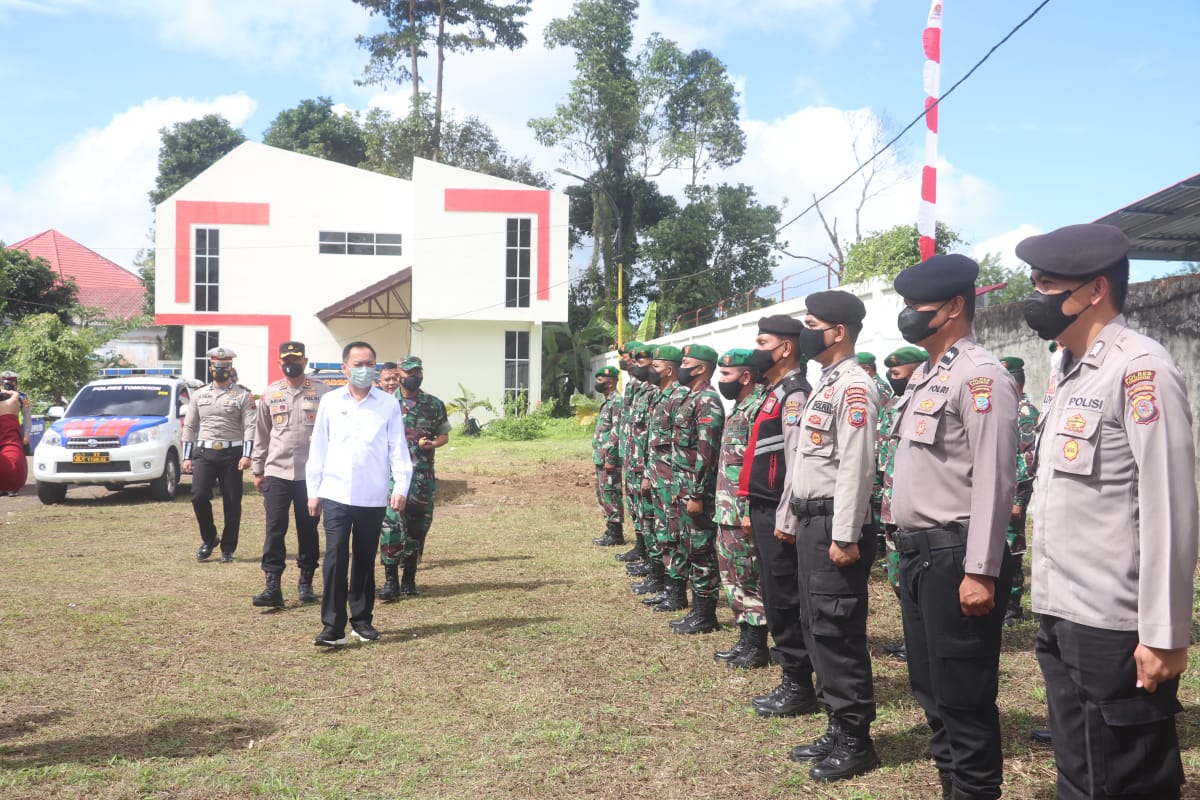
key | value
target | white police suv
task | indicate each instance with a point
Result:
(121, 429)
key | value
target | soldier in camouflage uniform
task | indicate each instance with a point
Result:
(640, 499)
(867, 362)
(697, 445)
(660, 480)
(621, 432)
(402, 539)
(606, 457)
(1027, 418)
(736, 556)
(901, 364)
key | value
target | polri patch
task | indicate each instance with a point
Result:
(815, 437)
(1145, 409)
(857, 417)
(981, 392)
(792, 411)
(1076, 423)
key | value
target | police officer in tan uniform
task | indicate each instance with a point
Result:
(218, 438)
(835, 534)
(954, 476)
(1115, 525)
(285, 424)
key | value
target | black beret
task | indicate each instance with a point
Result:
(836, 307)
(1076, 250)
(781, 325)
(937, 278)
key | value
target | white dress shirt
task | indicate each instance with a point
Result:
(355, 446)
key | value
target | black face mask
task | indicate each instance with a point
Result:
(812, 341)
(599, 386)
(220, 375)
(653, 377)
(642, 373)
(688, 374)
(1043, 313)
(898, 384)
(412, 382)
(914, 325)
(293, 370)
(729, 389)
(763, 360)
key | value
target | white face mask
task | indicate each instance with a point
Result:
(362, 377)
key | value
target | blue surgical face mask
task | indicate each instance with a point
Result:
(362, 377)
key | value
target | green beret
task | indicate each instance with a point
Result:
(638, 350)
(700, 352)
(629, 347)
(865, 358)
(737, 358)
(606, 372)
(906, 355)
(666, 352)
(410, 363)
(1013, 364)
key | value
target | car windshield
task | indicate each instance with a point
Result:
(121, 400)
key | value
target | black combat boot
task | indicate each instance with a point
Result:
(613, 536)
(676, 596)
(271, 596)
(704, 619)
(947, 785)
(391, 583)
(638, 553)
(819, 749)
(755, 652)
(637, 569)
(794, 697)
(735, 651)
(304, 586)
(408, 579)
(653, 582)
(686, 619)
(853, 754)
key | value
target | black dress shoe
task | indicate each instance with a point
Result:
(892, 649)
(205, 551)
(1041, 736)
(328, 637)
(226, 558)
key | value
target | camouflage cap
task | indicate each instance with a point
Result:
(700, 352)
(865, 358)
(606, 372)
(737, 358)
(410, 362)
(666, 352)
(1013, 364)
(906, 355)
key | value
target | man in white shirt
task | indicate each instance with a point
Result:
(357, 443)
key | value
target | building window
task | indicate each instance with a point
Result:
(205, 341)
(518, 253)
(208, 273)
(516, 365)
(359, 244)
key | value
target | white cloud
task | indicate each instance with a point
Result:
(94, 188)
(822, 22)
(1005, 244)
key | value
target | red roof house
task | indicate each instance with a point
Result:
(102, 283)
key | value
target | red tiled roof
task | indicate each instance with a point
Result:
(102, 283)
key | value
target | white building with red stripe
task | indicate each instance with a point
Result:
(459, 268)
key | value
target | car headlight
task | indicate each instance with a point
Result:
(143, 436)
(52, 437)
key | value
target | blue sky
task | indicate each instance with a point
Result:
(1090, 106)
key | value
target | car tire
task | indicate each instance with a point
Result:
(165, 486)
(51, 493)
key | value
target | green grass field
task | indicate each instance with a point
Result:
(526, 669)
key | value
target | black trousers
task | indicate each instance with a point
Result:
(1111, 739)
(280, 497)
(207, 467)
(351, 542)
(954, 666)
(780, 586)
(834, 612)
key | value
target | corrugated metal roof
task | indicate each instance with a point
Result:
(1164, 226)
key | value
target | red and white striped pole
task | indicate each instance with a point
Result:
(926, 217)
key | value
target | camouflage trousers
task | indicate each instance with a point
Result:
(608, 494)
(697, 554)
(639, 508)
(1016, 543)
(891, 560)
(666, 547)
(737, 561)
(403, 534)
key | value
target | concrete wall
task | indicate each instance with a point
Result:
(1167, 310)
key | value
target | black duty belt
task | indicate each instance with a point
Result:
(909, 542)
(815, 507)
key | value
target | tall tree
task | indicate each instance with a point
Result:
(189, 148)
(30, 286)
(315, 129)
(53, 357)
(719, 249)
(887, 252)
(455, 26)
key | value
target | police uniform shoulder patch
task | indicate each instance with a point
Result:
(1145, 408)
(981, 394)
(791, 412)
(856, 416)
